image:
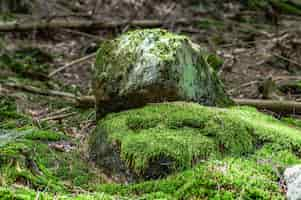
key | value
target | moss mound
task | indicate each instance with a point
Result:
(162, 138)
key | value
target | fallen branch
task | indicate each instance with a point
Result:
(285, 107)
(80, 101)
(58, 117)
(40, 91)
(75, 23)
(80, 60)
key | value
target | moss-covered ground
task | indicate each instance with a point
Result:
(28, 159)
(218, 154)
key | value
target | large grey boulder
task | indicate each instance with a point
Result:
(292, 177)
(153, 65)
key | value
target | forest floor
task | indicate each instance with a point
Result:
(253, 48)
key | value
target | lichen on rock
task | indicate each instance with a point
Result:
(153, 65)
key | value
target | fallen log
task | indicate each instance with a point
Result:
(283, 107)
(75, 23)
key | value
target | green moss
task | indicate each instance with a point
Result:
(287, 6)
(292, 121)
(210, 23)
(284, 6)
(189, 133)
(252, 177)
(27, 62)
(45, 135)
(219, 153)
(27, 158)
(7, 17)
(9, 116)
(23, 193)
(33, 163)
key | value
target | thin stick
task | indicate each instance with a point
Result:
(40, 91)
(80, 60)
(60, 111)
(242, 86)
(58, 117)
(81, 101)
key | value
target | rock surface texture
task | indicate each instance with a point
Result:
(153, 65)
(292, 177)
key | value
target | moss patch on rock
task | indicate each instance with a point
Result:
(163, 138)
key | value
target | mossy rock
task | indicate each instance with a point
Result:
(160, 139)
(153, 65)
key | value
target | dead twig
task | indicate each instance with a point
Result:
(77, 61)
(59, 111)
(58, 117)
(40, 91)
(242, 86)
